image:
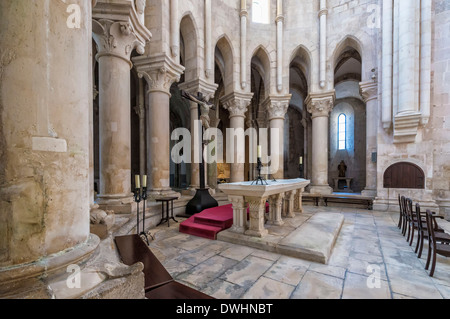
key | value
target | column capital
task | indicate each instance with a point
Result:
(320, 104)
(368, 91)
(277, 106)
(200, 85)
(118, 28)
(237, 103)
(159, 71)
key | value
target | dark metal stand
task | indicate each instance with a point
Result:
(300, 167)
(138, 197)
(259, 178)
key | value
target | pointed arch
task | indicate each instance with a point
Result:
(189, 47)
(224, 58)
(260, 63)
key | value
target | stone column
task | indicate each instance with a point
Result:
(45, 100)
(276, 209)
(236, 104)
(239, 214)
(257, 207)
(387, 63)
(277, 107)
(320, 106)
(160, 72)
(369, 92)
(279, 22)
(207, 89)
(323, 13)
(407, 119)
(243, 15)
(115, 41)
(289, 199)
(298, 204)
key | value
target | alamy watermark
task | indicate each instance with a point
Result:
(74, 279)
(235, 152)
(374, 279)
(74, 18)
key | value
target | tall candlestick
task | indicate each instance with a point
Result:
(137, 181)
(144, 181)
(259, 151)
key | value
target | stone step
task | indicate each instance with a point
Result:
(306, 237)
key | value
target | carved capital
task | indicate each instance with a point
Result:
(237, 103)
(368, 91)
(159, 71)
(320, 104)
(115, 39)
(276, 106)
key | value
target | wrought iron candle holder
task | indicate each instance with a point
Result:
(259, 179)
(140, 194)
(300, 167)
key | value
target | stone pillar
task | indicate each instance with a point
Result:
(174, 29)
(239, 214)
(323, 13)
(369, 92)
(209, 54)
(207, 89)
(45, 98)
(276, 209)
(279, 22)
(277, 107)
(236, 104)
(298, 204)
(257, 206)
(115, 40)
(160, 72)
(289, 199)
(387, 63)
(243, 15)
(320, 106)
(407, 119)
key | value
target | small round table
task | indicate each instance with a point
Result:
(165, 203)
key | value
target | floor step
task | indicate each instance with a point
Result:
(190, 227)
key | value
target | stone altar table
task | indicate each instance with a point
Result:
(256, 196)
(348, 183)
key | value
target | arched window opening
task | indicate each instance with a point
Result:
(260, 11)
(342, 132)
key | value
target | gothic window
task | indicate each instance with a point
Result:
(260, 11)
(342, 132)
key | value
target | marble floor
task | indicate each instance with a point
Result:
(371, 260)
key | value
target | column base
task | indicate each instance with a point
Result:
(30, 281)
(321, 189)
(120, 204)
(369, 193)
(256, 233)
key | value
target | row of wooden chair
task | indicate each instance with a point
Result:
(427, 228)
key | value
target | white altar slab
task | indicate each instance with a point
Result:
(283, 196)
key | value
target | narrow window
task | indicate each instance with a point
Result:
(342, 132)
(260, 11)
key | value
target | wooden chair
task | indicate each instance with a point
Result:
(422, 229)
(400, 217)
(403, 219)
(435, 247)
